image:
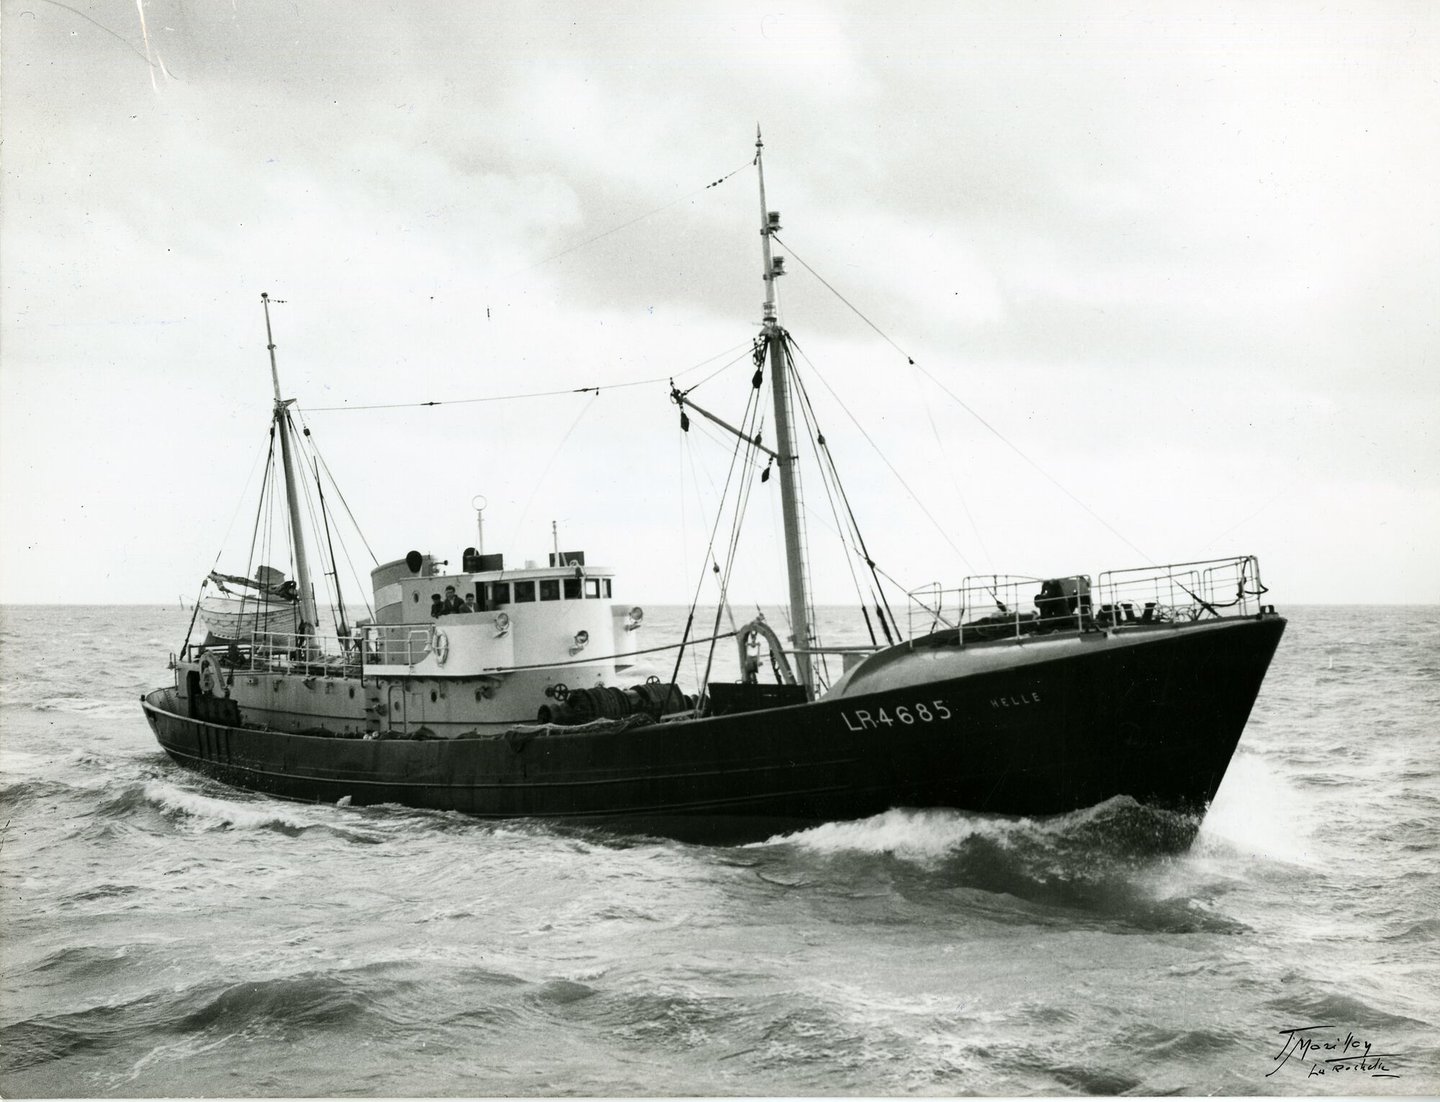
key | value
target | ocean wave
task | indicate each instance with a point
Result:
(1107, 863)
(1166, 1044)
(105, 891)
(1426, 931)
(28, 1044)
(1119, 826)
(1101, 1079)
(84, 962)
(182, 806)
(280, 1008)
(914, 835)
(18, 794)
(306, 1001)
(1311, 1005)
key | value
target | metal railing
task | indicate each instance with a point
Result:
(396, 644)
(928, 609)
(1000, 606)
(991, 606)
(1180, 592)
(283, 652)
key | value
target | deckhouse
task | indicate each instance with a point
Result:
(561, 614)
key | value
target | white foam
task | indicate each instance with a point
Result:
(913, 835)
(1258, 813)
(222, 813)
(85, 706)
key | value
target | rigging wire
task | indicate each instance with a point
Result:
(265, 526)
(709, 557)
(1046, 474)
(966, 407)
(313, 516)
(742, 500)
(320, 523)
(240, 501)
(626, 225)
(338, 492)
(319, 461)
(750, 458)
(883, 458)
(341, 628)
(745, 350)
(488, 398)
(950, 472)
(683, 442)
(788, 364)
(535, 487)
(307, 454)
(262, 515)
(264, 451)
(537, 393)
(816, 436)
(699, 493)
(877, 590)
(700, 498)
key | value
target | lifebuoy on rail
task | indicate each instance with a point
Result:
(212, 677)
(440, 647)
(749, 639)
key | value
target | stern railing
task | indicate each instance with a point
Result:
(332, 655)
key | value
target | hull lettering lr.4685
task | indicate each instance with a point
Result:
(906, 715)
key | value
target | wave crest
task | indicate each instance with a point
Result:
(1106, 861)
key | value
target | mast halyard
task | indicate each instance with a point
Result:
(292, 488)
(789, 455)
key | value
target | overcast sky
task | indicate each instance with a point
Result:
(1182, 259)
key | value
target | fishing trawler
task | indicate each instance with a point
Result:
(508, 692)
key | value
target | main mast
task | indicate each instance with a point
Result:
(789, 457)
(292, 487)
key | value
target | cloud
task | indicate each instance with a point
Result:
(1182, 258)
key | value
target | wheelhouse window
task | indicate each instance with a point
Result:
(549, 589)
(607, 587)
(592, 587)
(572, 589)
(499, 593)
(524, 591)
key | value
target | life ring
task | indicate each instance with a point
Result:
(212, 678)
(440, 647)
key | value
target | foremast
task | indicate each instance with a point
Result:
(308, 616)
(788, 457)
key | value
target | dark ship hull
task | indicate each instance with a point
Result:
(1155, 715)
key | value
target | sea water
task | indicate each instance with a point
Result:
(167, 935)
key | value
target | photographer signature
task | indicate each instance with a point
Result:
(1327, 1052)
